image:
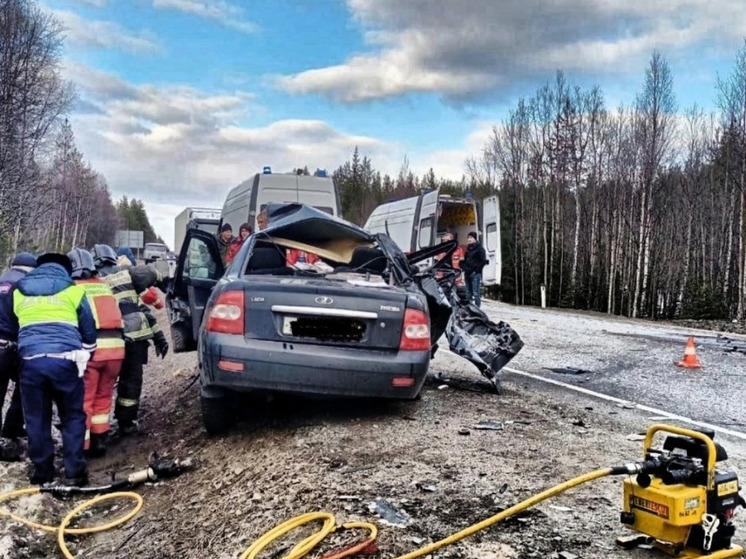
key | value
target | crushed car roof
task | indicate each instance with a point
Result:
(306, 228)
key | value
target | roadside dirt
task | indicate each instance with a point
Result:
(293, 456)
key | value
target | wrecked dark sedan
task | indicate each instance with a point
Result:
(353, 319)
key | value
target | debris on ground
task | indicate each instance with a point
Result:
(568, 370)
(388, 513)
(488, 426)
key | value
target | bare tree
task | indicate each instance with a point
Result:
(654, 128)
(33, 96)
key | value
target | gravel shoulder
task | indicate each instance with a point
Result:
(292, 456)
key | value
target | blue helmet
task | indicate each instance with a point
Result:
(103, 255)
(82, 261)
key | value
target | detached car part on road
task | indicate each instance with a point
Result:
(360, 323)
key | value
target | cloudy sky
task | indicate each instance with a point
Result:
(179, 100)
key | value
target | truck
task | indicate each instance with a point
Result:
(247, 200)
(206, 219)
(421, 221)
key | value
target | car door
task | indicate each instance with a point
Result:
(197, 271)
(492, 273)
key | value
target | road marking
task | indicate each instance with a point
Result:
(655, 411)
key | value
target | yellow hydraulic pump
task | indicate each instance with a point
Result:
(679, 499)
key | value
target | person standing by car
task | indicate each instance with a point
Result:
(139, 327)
(456, 257)
(225, 239)
(474, 261)
(103, 369)
(21, 265)
(56, 337)
(262, 220)
(243, 233)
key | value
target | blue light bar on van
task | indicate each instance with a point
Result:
(267, 170)
(320, 172)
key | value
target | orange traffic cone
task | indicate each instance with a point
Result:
(690, 360)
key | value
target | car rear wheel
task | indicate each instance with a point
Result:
(217, 414)
(181, 339)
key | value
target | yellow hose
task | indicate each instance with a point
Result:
(62, 529)
(329, 526)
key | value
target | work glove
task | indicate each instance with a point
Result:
(161, 345)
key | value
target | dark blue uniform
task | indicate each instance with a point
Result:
(55, 322)
(12, 427)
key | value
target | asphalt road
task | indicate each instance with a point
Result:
(632, 360)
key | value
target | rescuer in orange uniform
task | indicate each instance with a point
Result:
(103, 369)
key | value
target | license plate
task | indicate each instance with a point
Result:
(287, 325)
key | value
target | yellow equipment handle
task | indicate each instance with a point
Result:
(711, 450)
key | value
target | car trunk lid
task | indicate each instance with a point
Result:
(347, 311)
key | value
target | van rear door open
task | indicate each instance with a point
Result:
(491, 275)
(428, 219)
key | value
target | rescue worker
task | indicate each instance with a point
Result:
(21, 265)
(474, 261)
(456, 257)
(127, 283)
(243, 233)
(103, 369)
(56, 336)
(225, 239)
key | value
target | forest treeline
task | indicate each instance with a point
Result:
(635, 210)
(51, 199)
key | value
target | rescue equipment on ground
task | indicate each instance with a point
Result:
(680, 499)
(679, 502)
(159, 468)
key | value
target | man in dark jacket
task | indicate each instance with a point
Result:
(472, 264)
(127, 284)
(56, 337)
(225, 240)
(21, 265)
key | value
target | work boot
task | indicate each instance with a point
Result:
(10, 450)
(97, 445)
(129, 428)
(37, 477)
(77, 481)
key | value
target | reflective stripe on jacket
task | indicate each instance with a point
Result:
(136, 327)
(108, 317)
(59, 308)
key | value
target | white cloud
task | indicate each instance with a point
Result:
(463, 49)
(176, 146)
(103, 34)
(226, 14)
(94, 3)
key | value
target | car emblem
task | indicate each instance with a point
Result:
(324, 300)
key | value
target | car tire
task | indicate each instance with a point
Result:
(180, 338)
(217, 415)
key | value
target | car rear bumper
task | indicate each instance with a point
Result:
(310, 369)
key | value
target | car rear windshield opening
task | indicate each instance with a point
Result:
(328, 329)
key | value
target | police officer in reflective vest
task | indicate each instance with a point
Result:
(22, 264)
(103, 369)
(56, 336)
(127, 283)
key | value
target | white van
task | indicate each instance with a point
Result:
(421, 221)
(248, 199)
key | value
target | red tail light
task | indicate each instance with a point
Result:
(226, 316)
(415, 335)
